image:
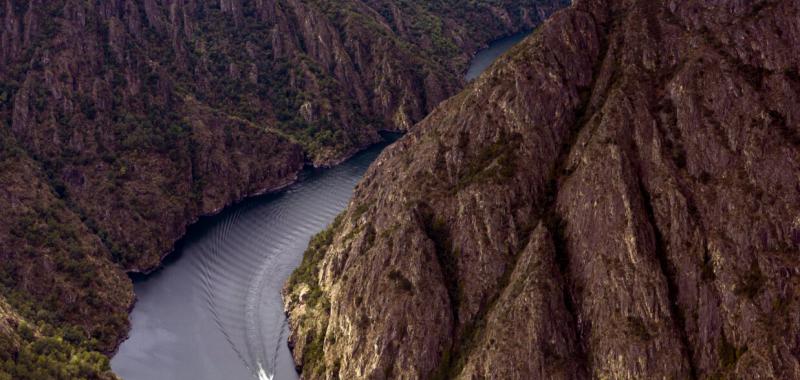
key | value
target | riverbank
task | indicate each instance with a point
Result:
(229, 270)
(220, 289)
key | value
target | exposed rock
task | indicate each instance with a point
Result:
(618, 197)
(528, 333)
(124, 121)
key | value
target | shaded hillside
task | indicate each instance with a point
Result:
(123, 121)
(618, 197)
(126, 104)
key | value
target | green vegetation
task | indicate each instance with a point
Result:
(48, 353)
(118, 98)
(360, 210)
(316, 301)
(638, 328)
(278, 91)
(313, 354)
(729, 354)
(228, 64)
(308, 270)
(401, 281)
(43, 235)
(52, 282)
(495, 162)
(750, 282)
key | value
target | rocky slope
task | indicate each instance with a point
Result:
(124, 121)
(65, 296)
(618, 197)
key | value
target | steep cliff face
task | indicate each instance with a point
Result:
(65, 296)
(618, 197)
(188, 106)
(124, 121)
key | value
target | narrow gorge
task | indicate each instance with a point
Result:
(124, 121)
(215, 310)
(616, 197)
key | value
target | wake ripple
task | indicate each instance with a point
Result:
(245, 258)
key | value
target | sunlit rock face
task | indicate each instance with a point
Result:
(124, 121)
(615, 198)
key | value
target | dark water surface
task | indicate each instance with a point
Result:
(484, 58)
(214, 311)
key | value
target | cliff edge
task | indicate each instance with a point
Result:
(617, 197)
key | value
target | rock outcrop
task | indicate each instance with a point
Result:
(124, 121)
(617, 197)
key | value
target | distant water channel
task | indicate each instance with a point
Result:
(214, 310)
(484, 58)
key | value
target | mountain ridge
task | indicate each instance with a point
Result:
(630, 168)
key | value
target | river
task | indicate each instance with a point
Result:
(214, 310)
(484, 58)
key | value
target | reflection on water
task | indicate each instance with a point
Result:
(215, 311)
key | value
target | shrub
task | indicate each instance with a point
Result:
(401, 281)
(751, 282)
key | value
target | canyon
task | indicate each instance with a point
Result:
(217, 298)
(125, 121)
(616, 197)
(214, 309)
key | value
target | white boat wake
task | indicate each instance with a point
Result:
(262, 375)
